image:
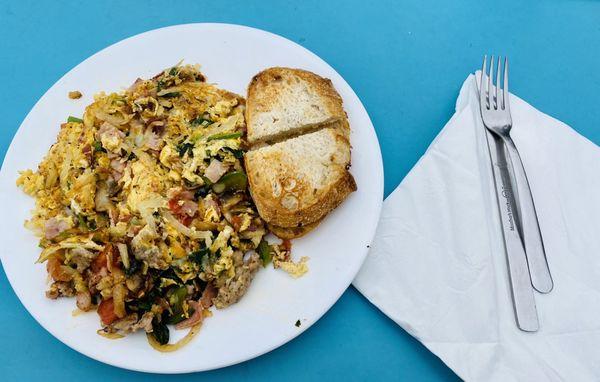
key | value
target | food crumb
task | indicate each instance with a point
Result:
(76, 94)
(298, 323)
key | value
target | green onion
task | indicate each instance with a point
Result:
(201, 121)
(264, 252)
(97, 146)
(233, 181)
(74, 119)
(224, 136)
(171, 95)
(176, 298)
(185, 147)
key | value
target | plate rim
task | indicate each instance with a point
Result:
(285, 339)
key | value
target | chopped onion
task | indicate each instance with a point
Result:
(119, 293)
(174, 89)
(167, 348)
(74, 242)
(192, 234)
(110, 336)
(124, 255)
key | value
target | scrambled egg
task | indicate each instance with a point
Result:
(142, 205)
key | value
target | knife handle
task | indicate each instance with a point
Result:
(520, 281)
(539, 271)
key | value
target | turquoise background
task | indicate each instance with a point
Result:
(405, 60)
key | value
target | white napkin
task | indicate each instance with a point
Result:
(438, 268)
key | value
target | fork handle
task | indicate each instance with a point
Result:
(541, 278)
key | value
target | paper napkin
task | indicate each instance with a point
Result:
(437, 265)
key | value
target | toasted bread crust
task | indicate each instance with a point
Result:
(264, 96)
(271, 211)
(295, 184)
(292, 232)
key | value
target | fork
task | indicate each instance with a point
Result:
(495, 113)
(498, 120)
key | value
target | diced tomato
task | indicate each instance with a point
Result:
(106, 311)
(101, 261)
(287, 244)
(186, 220)
(236, 222)
(177, 210)
(174, 205)
(56, 270)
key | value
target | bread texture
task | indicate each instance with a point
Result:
(298, 181)
(298, 163)
(285, 102)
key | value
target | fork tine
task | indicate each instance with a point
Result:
(498, 72)
(482, 89)
(505, 93)
(491, 84)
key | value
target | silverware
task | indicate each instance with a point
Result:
(499, 121)
(495, 113)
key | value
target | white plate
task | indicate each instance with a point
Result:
(264, 319)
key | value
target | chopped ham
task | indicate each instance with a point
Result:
(210, 203)
(187, 195)
(118, 168)
(194, 319)
(215, 170)
(178, 193)
(182, 205)
(53, 227)
(208, 294)
(153, 140)
(84, 301)
(205, 302)
(189, 207)
(110, 136)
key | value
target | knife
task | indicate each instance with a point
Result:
(520, 280)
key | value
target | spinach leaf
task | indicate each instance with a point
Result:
(198, 255)
(182, 148)
(238, 154)
(201, 121)
(160, 331)
(134, 266)
(201, 192)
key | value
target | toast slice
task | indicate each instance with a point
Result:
(292, 232)
(284, 102)
(297, 182)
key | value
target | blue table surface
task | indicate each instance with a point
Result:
(405, 60)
